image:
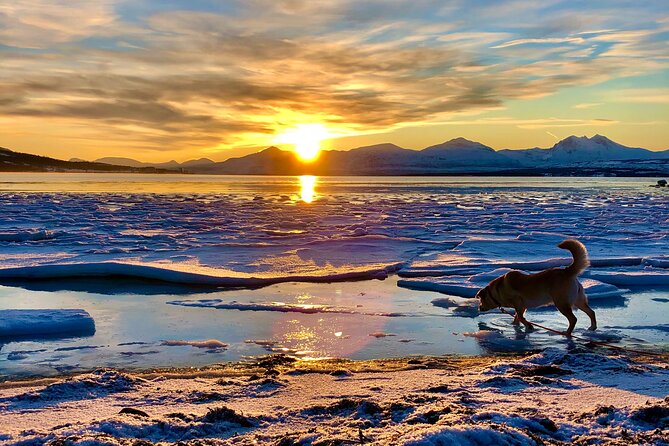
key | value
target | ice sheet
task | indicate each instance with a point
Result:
(429, 228)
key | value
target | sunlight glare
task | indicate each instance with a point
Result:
(307, 188)
(306, 139)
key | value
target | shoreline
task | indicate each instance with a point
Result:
(277, 361)
(551, 397)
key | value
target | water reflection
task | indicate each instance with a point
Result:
(307, 188)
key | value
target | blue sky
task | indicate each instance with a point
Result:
(156, 80)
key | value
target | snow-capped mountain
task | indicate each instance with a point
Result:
(463, 152)
(576, 150)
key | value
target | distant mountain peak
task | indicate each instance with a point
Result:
(601, 139)
(459, 144)
(461, 140)
(376, 148)
(271, 149)
(584, 141)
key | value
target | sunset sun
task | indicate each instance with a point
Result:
(306, 140)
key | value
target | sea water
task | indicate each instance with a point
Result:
(310, 266)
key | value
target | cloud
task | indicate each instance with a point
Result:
(40, 23)
(234, 73)
(540, 41)
(540, 123)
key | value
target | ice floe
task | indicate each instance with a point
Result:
(26, 236)
(468, 286)
(195, 276)
(27, 323)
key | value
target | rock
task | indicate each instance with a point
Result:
(542, 370)
(657, 415)
(133, 411)
(662, 183)
(224, 414)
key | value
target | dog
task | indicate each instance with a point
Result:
(559, 286)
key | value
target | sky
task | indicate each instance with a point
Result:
(169, 79)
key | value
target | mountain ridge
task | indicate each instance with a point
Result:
(592, 156)
(12, 161)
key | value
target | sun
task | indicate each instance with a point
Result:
(306, 139)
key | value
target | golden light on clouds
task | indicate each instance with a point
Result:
(306, 140)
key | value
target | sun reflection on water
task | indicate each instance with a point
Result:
(307, 188)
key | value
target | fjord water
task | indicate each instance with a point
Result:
(438, 233)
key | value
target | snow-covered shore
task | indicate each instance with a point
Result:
(553, 397)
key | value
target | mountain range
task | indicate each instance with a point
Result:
(574, 155)
(571, 156)
(11, 161)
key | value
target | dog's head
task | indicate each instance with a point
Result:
(489, 296)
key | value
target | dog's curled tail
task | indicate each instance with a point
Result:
(580, 255)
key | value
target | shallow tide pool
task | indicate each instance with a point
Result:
(378, 319)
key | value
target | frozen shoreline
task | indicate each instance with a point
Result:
(547, 398)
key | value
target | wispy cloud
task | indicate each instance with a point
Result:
(540, 41)
(586, 105)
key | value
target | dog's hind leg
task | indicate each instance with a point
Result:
(582, 304)
(569, 314)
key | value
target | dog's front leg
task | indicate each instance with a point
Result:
(520, 317)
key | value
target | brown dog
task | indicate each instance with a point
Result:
(557, 286)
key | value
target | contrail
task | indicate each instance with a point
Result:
(556, 138)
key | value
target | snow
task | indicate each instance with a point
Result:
(582, 150)
(31, 323)
(557, 396)
(463, 435)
